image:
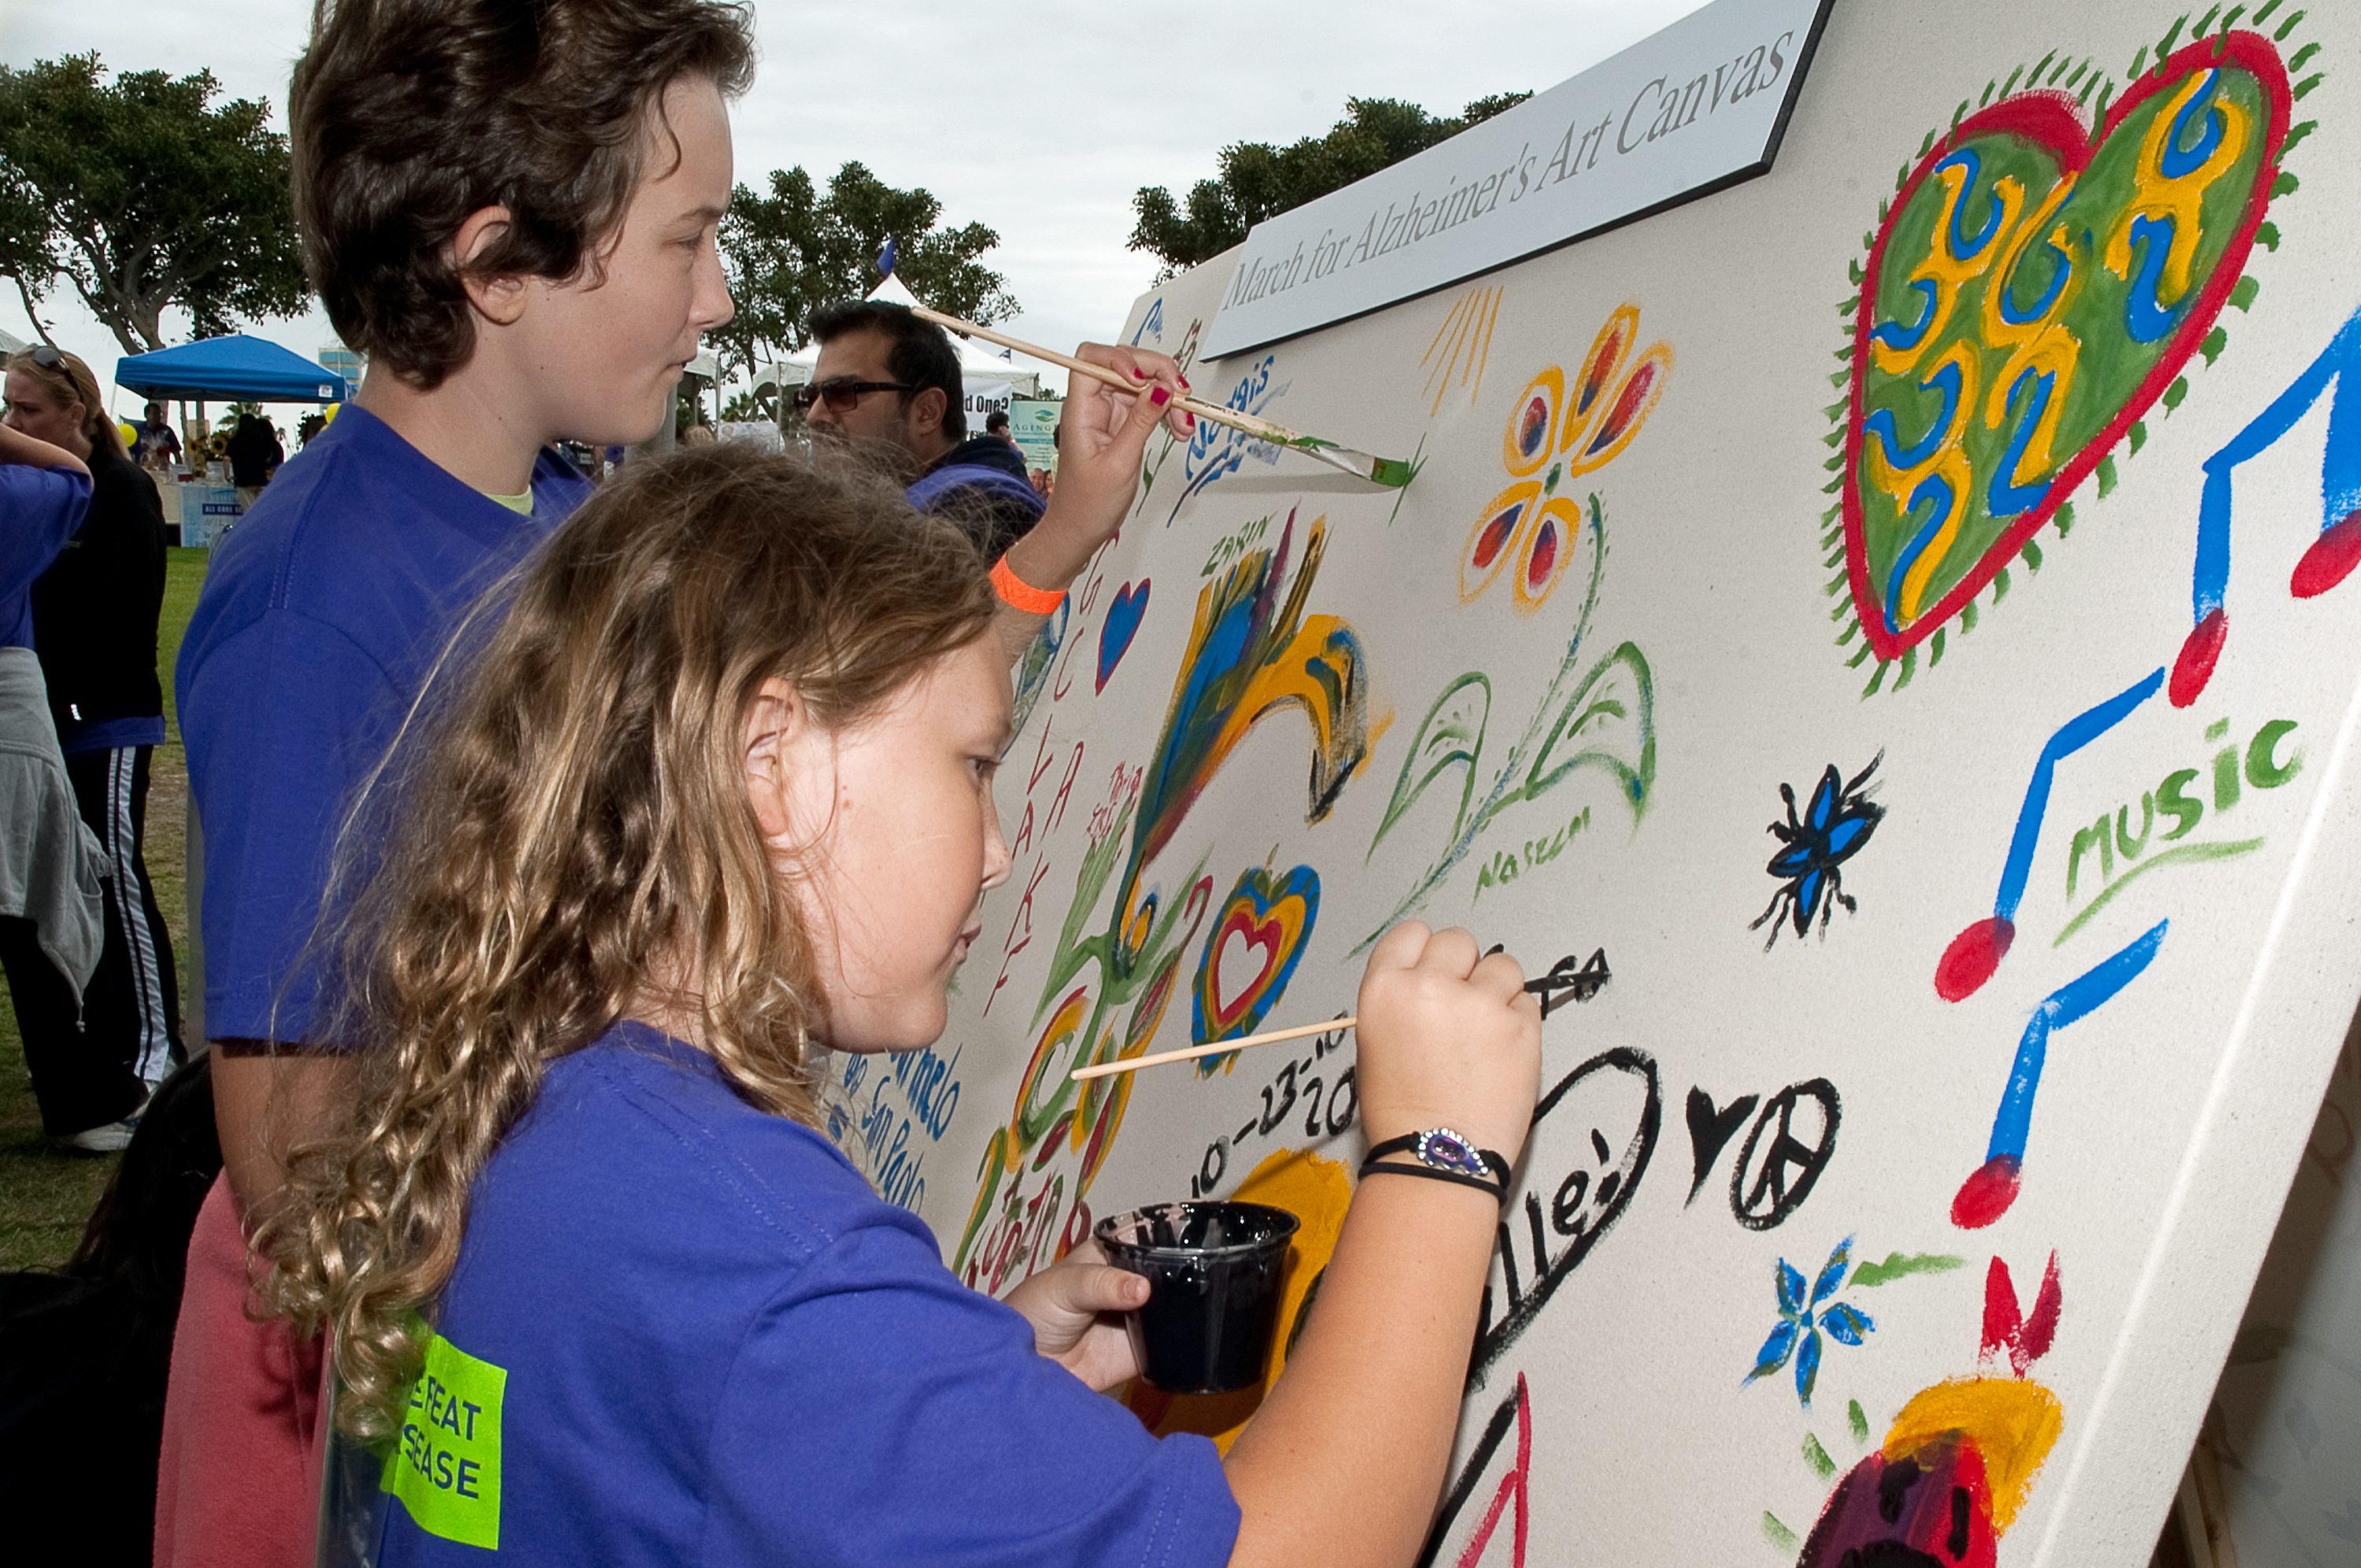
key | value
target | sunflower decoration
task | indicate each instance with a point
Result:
(1552, 436)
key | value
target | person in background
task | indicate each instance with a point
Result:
(158, 445)
(51, 864)
(995, 425)
(254, 455)
(1045, 480)
(698, 435)
(311, 425)
(95, 612)
(890, 383)
(85, 1349)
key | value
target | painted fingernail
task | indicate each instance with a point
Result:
(1139, 374)
(1191, 418)
(1185, 383)
(1159, 396)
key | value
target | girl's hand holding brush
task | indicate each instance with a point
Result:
(1447, 1038)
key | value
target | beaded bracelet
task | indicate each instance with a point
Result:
(1019, 595)
(1422, 1143)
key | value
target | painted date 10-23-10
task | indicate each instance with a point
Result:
(1329, 1101)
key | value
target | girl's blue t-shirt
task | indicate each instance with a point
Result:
(685, 1332)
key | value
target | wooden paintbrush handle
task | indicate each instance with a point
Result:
(1211, 1048)
(1116, 379)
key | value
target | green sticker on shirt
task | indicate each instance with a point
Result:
(446, 1466)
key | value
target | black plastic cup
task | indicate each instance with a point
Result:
(1215, 1272)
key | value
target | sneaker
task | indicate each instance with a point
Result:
(110, 1139)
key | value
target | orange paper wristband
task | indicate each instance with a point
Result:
(1019, 594)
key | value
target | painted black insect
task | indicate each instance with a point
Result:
(1830, 832)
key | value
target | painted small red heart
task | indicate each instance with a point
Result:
(1234, 985)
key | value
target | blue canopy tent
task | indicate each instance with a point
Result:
(238, 368)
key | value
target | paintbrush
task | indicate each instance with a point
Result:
(1387, 471)
(1211, 1048)
(1583, 984)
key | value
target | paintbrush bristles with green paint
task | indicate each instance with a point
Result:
(1383, 471)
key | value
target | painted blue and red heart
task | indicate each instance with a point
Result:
(1258, 937)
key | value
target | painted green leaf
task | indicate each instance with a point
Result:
(1898, 1266)
(1451, 737)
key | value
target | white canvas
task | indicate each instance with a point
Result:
(1715, 654)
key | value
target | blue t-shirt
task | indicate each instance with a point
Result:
(685, 1332)
(322, 612)
(39, 510)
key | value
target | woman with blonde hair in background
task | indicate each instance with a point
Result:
(94, 620)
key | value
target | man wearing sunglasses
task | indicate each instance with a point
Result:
(889, 382)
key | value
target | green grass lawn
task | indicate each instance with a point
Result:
(46, 1192)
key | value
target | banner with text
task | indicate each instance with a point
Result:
(1685, 112)
(1034, 423)
(984, 398)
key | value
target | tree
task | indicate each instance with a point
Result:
(791, 252)
(143, 194)
(1259, 180)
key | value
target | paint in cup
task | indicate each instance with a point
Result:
(1215, 1272)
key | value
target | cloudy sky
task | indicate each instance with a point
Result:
(1038, 119)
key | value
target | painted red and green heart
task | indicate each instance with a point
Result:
(2036, 287)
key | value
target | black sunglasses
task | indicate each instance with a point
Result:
(842, 392)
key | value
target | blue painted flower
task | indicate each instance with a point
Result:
(1798, 1337)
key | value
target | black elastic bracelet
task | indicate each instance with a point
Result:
(1499, 1194)
(1408, 1141)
